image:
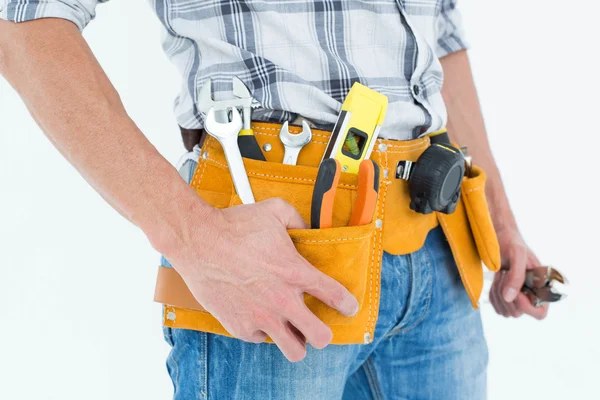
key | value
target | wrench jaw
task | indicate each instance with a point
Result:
(293, 143)
(241, 91)
(227, 133)
(206, 101)
(222, 130)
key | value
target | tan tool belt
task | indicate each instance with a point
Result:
(352, 255)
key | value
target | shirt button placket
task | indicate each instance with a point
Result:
(416, 90)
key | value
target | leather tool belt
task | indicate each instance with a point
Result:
(350, 254)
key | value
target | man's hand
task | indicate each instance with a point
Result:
(505, 295)
(241, 265)
(465, 126)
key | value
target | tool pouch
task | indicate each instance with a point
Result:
(351, 255)
(473, 191)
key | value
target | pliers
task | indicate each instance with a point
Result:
(328, 176)
(539, 285)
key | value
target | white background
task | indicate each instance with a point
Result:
(68, 331)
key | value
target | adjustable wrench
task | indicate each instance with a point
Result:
(293, 143)
(227, 135)
(248, 145)
(243, 99)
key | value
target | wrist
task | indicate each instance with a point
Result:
(187, 221)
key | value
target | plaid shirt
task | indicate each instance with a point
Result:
(299, 58)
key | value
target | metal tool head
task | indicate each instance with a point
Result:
(468, 161)
(540, 277)
(295, 139)
(539, 283)
(206, 101)
(223, 130)
(241, 91)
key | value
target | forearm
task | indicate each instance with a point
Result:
(466, 127)
(50, 65)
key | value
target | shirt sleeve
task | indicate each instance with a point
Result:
(450, 31)
(80, 12)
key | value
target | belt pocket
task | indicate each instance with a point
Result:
(349, 254)
(345, 254)
(471, 234)
(473, 191)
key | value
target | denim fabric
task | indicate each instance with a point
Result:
(428, 344)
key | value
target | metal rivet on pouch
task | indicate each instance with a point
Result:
(267, 147)
(367, 338)
(205, 155)
(386, 173)
(378, 223)
(345, 168)
(382, 147)
(171, 316)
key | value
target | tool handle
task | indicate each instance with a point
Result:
(237, 171)
(248, 145)
(368, 187)
(290, 157)
(321, 211)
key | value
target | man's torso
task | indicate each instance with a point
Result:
(302, 57)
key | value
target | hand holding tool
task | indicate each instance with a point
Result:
(368, 187)
(539, 283)
(226, 134)
(357, 127)
(293, 143)
(247, 143)
(321, 211)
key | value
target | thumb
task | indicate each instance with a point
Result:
(286, 213)
(515, 277)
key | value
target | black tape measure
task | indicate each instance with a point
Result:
(435, 179)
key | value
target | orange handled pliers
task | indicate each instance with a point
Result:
(321, 213)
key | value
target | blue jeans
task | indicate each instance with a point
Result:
(428, 344)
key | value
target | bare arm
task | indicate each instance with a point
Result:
(50, 65)
(466, 127)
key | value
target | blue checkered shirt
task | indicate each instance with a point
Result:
(299, 58)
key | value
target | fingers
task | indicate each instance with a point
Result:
(515, 277)
(524, 304)
(330, 292)
(292, 347)
(311, 327)
(256, 337)
(496, 297)
(510, 308)
(286, 213)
